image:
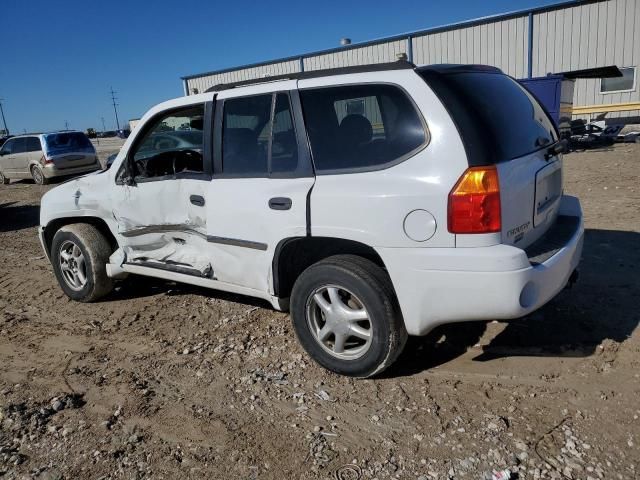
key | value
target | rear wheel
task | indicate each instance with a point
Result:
(3, 179)
(346, 316)
(79, 255)
(38, 176)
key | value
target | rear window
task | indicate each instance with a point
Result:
(498, 119)
(67, 141)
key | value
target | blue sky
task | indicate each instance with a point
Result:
(60, 58)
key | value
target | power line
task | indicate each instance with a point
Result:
(4, 121)
(115, 110)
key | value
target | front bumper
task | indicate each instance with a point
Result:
(43, 242)
(445, 285)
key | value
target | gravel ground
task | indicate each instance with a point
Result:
(168, 381)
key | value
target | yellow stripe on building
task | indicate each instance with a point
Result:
(604, 108)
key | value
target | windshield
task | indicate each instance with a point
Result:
(498, 119)
(67, 142)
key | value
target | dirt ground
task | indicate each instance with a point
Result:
(168, 381)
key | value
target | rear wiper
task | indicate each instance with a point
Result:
(561, 146)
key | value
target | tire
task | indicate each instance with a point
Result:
(38, 176)
(361, 286)
(4, 180)
(95, 251)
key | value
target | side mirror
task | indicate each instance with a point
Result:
(110, 160)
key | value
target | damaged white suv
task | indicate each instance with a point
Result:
(375, 202)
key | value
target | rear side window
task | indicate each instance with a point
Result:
(498, 119)
(33, 144)
(67, 142)
(361, 127)
(245, 135)
(259, 136)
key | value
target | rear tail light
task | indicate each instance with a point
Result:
(474, 202)
(45, 161)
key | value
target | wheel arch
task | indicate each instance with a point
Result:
(293, 255)
(56, 224)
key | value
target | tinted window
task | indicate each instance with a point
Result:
(33, 144)
(20, 145)
(67, 142)
(362, 126)
(284, 148)
(8, 146)
(498, 119)
(172, 145)
(625, 82)
(246, 127)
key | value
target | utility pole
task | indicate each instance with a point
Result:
(66, 125)
(4, 122)
(115, 110)
(103, 127)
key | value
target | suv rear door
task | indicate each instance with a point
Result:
(503, 124)
(261, 182)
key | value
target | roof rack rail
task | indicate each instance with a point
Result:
(375, 67)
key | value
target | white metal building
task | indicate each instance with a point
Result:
(565, 37)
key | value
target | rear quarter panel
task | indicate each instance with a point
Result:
(370, 207)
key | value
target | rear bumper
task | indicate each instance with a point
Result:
(50, 170)
(444, 285)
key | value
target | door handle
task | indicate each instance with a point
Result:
(197, 200)
(280, 203)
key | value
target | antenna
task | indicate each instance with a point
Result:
(4, 122)
(115, 110)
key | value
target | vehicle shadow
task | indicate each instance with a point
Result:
(18, 217)
(602, 305)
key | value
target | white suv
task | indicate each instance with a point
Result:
(375, 202)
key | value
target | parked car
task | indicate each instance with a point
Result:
(47, 155)
(123, 133)
(107, 134)
(372, 202)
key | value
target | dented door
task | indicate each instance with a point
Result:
(161, 211)
(160, 226)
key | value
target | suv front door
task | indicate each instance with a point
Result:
(261, 182)
(159, 198)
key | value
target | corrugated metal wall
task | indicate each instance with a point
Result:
(502, 44)
(378, 53)
(270, 70)
(587, 36)
(593, 34)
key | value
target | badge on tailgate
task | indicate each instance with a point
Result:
(548, 192)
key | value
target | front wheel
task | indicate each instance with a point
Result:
(346, 316)
(79, 255)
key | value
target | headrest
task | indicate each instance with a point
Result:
(356, 129)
